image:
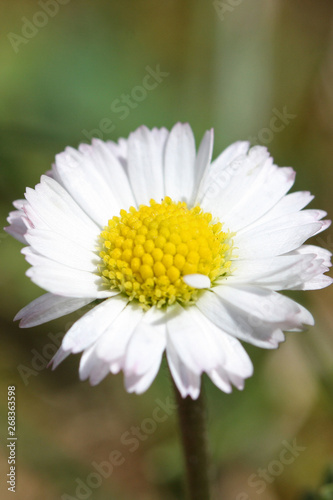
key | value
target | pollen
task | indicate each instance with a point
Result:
(146, 252)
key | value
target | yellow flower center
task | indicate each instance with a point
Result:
(147, 252)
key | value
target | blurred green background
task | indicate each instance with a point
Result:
(233, 65)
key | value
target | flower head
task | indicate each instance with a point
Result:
(183, 255)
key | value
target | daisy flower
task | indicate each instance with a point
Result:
(175, 253)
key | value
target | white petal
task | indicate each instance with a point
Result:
(325, 225)
(202, 162)
(147, 343)
(244, 175)
(271, 241)
(321, 253)
(286, 221)
(220, 172)
(88, 363)
(48, 307)
(270, 187)
(145, 165)
(179, 163)
(60, 213)
(282, 272)
(289, 204)
(260, 302)
(93, 324)
(113, 173)
(191, 338)
(62, 280)
(58, 358)
(82, 178)
(245, 325)
(118, 149)
(187, 382)
(197, 280)
(140, 383)
(62, 250)
(315, 283)
(111, 346)
(100, 371)
(237, 365)
(18, 226)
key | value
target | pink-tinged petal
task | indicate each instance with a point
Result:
(58, 358)
(18, 222)
(48, 307)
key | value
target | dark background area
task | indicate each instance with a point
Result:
(231, 67)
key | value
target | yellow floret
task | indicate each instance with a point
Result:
(145, 252)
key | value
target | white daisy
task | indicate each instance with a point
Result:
(183, 254)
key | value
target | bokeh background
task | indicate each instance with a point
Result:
(233, 65)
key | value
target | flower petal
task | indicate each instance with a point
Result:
(277, 239)
(145, 164)
(139, 383)
(62, 280)
(48, 307)
(58, 358)
(18, 223)
(60, 213)
(190, 337)
(147, 343)
(282, 272)
(197, 281)
(179, 163)
(202, 161)
(270, 186)
(187, 382)
(112, 345)
(237, 365)
(82, 178)
(60, 249)
(220, 172)
(93, 324)
(258, 318)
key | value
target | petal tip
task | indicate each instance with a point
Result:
(199, 281)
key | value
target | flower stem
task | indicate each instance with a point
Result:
(192, 420)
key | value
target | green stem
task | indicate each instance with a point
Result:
(192, 420)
